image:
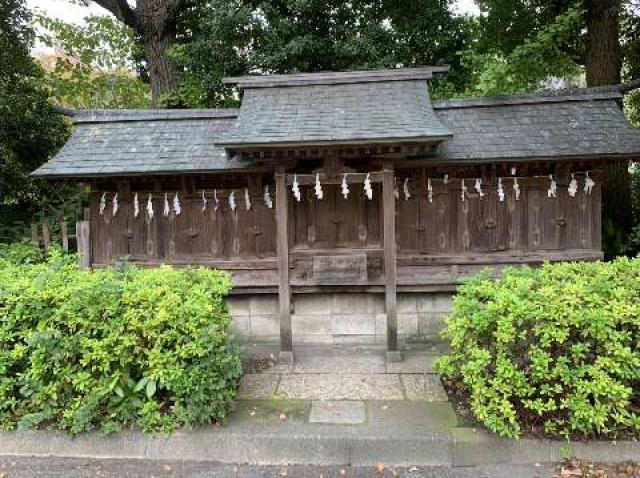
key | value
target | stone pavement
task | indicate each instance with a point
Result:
(86, 467)
(336, 407)
(342, 372)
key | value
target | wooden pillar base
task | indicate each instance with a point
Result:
(285, 357)
(394, 356)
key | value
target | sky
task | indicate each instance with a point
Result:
(68, 12)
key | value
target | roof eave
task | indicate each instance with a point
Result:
(334, 143)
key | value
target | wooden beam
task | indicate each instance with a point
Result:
(83, 239)
(284, 288)
(390, 279)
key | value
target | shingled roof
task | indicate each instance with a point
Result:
(355, 108)
(127, 142)
(124, 142)
(537, 126)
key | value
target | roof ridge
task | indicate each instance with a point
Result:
(559, 96)
(117, 115)
(335, 77)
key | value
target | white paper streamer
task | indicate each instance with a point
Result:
(232, 201)
(216, 201)
(553, 187)
(136, 205)
(115, 204)
(368, 191)
(295, 188)
(345, 186)
(514, 170)
(267, 197)
(573, 186)
(516, 188)
(176, 204)
(429, 190)
(396, 191)
(500, 190)
(103, 203)
(588, 184)
(247, 199)
(446, 179)
(318, 188)
(167, 208)
(463, 191)
(478, 187)
(405, 189)
(204, 202)
(150, 207)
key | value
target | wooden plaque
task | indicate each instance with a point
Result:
(340, 267)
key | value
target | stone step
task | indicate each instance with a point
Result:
(342, 386)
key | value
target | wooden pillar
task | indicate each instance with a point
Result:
(284, 289)
(389, 234)
(83, 238)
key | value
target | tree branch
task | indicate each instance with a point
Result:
(122, 11)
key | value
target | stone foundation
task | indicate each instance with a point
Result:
(339, 317)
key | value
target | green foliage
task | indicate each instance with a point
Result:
(230, 37)
(528, 64)
(114, 347)
(30, 131)
(554, 349)
(634, 239)
(95, 66)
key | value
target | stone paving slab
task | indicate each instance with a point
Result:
(413, 362)
(341, 387)
(339, 363)
(424, 387)
(254, 385)
(410, 414)
(342, 412)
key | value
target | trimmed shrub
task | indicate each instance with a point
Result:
(115, 347)
(552, 350)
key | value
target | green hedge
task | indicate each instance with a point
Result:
(552, 350)
(115, 347)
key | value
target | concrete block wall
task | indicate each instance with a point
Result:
(339, 317)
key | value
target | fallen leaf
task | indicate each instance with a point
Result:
(343, 472)
(283, 416)
(252, 412)
(384, 407)
(380, 467)
(413, 469)
(166, 467)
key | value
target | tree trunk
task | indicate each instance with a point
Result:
(157, 27)
(155, 22)
(163, 72)
(604, 58)
(603, 63)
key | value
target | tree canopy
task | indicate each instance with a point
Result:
(30, 130)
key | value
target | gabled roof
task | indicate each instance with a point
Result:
(581, 123)
(123, 142)
(345, 108)
(537, 126)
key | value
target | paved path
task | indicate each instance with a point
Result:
(335, 407)
(13, 467)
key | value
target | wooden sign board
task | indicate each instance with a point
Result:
(340, 267)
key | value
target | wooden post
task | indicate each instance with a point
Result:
(46, 237)
(83, 239)
(35, 237)
(389, 234)
(65, 235)
(284, 289)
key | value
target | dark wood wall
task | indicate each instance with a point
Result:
(437, 241)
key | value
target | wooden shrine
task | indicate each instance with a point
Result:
(351, 181)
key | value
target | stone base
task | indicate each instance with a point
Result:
(285, 357)
(394, 356)
(339, 318)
